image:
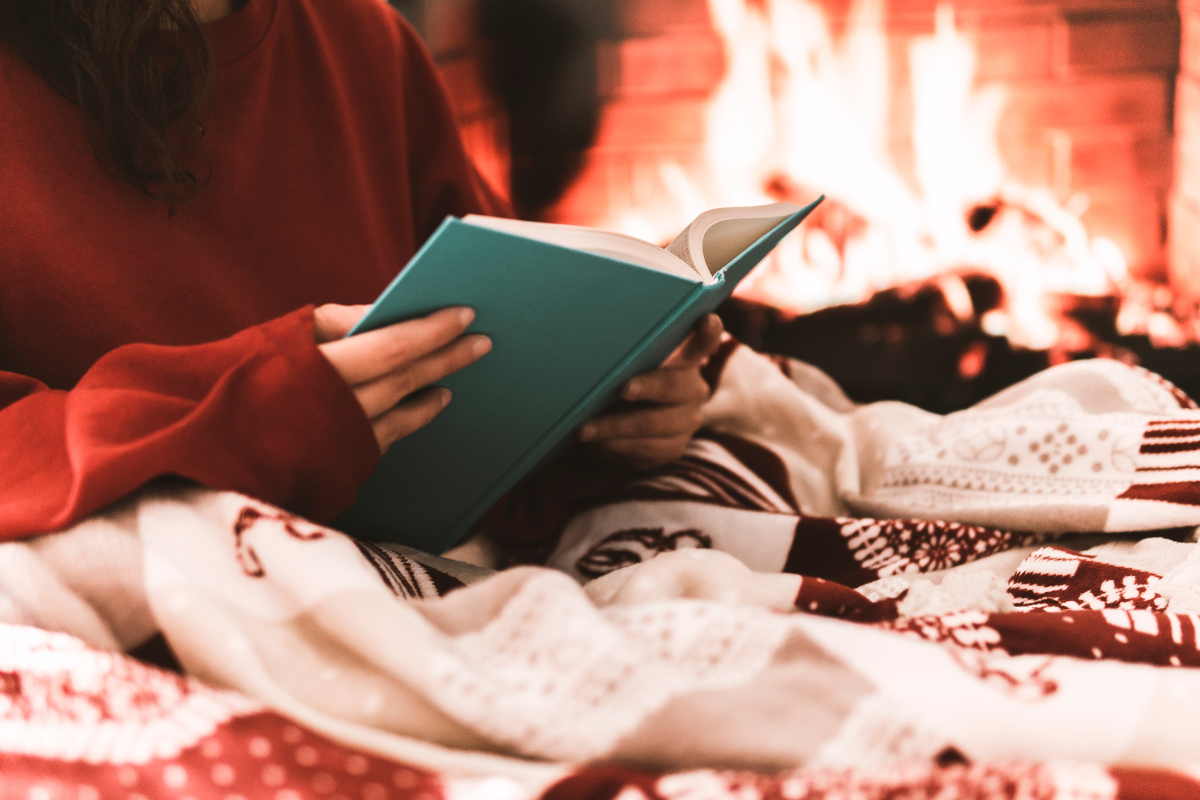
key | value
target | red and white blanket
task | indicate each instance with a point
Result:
(819, 601)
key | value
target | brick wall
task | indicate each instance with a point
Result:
(1185, 204)
(658, 73)
(448, 29)
(1091, 88)
(1090, 109)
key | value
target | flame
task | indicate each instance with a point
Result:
(800, 112)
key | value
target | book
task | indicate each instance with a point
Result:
(573, 313)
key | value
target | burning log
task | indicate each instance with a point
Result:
(938, 279)
(907, 344)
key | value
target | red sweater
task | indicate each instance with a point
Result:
(135, 344)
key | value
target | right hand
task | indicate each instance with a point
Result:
(390, 369)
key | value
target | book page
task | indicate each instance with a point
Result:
(608, 244)
(679, 248)
(701, 250)
(720, 235)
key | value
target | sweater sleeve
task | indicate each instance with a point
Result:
(262, 412)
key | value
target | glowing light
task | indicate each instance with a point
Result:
(1111, 258)
(995, 323)
(800, 112)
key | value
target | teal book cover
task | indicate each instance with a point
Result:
(568, 327)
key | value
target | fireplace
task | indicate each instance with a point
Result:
(1087, 108)
(1184, 254)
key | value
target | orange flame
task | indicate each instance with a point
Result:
(799, 113)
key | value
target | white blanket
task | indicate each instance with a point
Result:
(693, 659)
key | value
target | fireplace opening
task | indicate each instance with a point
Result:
(1012, 184)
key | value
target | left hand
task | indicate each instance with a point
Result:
(674, 395)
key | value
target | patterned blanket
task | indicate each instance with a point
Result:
(818, 601)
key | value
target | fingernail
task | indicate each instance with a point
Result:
(482, 345)
(633, 389)
(466, 315)
(587, 432)
(445, 396)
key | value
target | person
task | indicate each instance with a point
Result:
(197, 198)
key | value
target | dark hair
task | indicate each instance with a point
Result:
(140, 71)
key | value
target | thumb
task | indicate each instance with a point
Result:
(332, 321)
(702, 343)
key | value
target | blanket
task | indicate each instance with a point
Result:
(820, 600)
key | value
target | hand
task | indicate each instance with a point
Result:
(656, 435)
(389, 369)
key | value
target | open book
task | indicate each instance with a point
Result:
(702, 250)
(573, 313)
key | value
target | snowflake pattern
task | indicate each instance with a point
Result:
(1130, 595)
(101, 687)
(979, 649)
(967, 629)
(891, 547)
(1058, 579)
(80, 724)
(60, 698)
(947, 778)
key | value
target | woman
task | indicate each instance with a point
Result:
(195, 199)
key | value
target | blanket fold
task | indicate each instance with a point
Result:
(728, 626)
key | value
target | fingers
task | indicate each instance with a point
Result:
(669, 386)
(371, 355)
(387, 369)
(650, 437)
(332, 321)
(413, 414)
(702, 343)
(649, 423)
(378, 395)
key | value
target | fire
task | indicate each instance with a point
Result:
(800, 113)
